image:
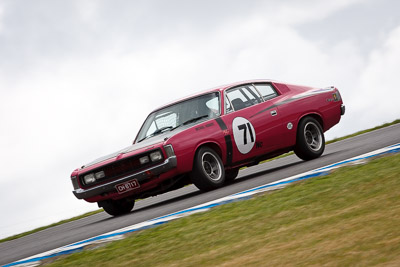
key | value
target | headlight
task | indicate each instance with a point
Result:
(144, 160)
(155, 156)
(89, 178)
(99, 175)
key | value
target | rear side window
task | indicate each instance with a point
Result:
(242, 97)
(266, 90)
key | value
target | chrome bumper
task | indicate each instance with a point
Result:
(167, 165)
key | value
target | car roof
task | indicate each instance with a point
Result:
(211, 90)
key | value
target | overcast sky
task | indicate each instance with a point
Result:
(77, 78)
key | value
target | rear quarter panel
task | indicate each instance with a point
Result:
(319, 105)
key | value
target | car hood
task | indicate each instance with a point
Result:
(137, 146)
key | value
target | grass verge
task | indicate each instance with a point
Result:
(350, 217)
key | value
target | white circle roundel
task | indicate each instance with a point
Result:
(244, 134)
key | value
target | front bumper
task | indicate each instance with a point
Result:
(167, 165)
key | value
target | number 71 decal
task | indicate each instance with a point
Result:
(244, 134)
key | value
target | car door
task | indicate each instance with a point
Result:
(253, 120)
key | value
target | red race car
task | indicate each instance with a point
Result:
(204, 139)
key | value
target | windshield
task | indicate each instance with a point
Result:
(182, 113)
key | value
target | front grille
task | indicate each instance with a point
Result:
(120, 168)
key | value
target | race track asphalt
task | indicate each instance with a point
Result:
(189, 196)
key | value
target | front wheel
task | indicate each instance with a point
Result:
(310, 143)
(117, 207)
(208, 171)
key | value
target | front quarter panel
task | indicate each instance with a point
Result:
(187, 142)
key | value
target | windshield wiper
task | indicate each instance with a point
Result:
(156, 132)
(190, 121)
(194, 119)
(162, 129)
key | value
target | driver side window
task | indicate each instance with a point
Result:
(242, 97)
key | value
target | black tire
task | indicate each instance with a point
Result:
(231, 175)
(310, 143)
(118, 207)
(208, 171)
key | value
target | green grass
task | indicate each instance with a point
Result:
(100, 210)
(350, 217)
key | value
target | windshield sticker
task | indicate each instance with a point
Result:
(204, 126)
(244, 134)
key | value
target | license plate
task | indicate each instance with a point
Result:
(127, 186)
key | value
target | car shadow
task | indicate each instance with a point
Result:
(169, 201)
(242, 179)
(188, 195)
(266, 171)
(151, 206)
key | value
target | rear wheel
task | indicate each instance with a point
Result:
(117, 207)
(208, 171)
(310, 143)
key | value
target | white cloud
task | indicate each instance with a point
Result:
(1, 17)
(379, 82)
(370, 87)
(87, 10)
(296, 12)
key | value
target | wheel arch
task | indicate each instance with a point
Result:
(213, 145)
(314, 115)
